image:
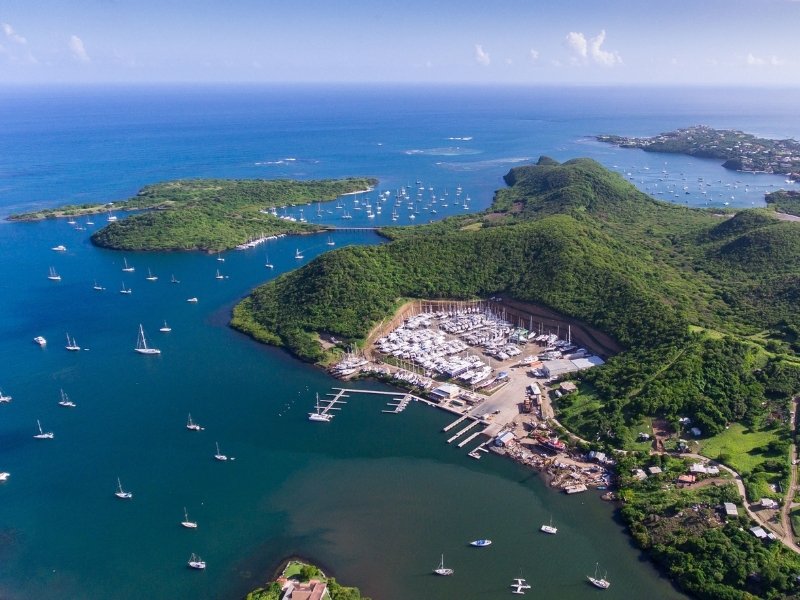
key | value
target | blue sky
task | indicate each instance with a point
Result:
(726, 42)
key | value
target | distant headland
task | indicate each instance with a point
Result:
(740, 151)
(205, 214)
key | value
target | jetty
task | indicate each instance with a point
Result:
(463, 431)
(399, 405)
(454, 423)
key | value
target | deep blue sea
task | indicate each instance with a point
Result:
(375, 498)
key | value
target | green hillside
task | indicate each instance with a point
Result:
(215, 214)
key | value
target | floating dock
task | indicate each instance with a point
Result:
(454, 423)
(469, 439)
(463, 431)
(399, 405)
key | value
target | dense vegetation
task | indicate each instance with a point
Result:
(304, 572)
(786, 202)
(206, 214)
(708, 555)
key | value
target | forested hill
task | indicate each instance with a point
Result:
(583, 241)
(216, 214)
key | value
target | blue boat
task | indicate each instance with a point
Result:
(481, 543)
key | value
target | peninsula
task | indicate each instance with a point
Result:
(740, 151)
(703, 307)
(206, 214)
(301, 580)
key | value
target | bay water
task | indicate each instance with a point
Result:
(374, 498)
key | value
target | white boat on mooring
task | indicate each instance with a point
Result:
(43, 435)
(127, 268)
(219, 455)
(519, 586)
(165, 329)
(192, 426)
(549, 528)
(186, 522)
(599, 582)
(122, 494)
(480, 543)
(53, 276)
(141, 344)
(4, 399)
(65, 401)
(442, 570)
(40, 340)
(195, 562)
(72, 345)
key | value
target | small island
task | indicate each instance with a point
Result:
(740, 151)
(785, 202)
(206, 214)
(299, 579)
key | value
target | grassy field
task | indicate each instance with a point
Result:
(741, 445)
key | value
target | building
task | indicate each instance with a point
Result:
(568, 387)
(587, 362)
(654, 470)
(445, 392)
(639, 474)
(313, 590)
(558, 367)
(730, 509)
(503, 438)
(768, 503)
(759, 532)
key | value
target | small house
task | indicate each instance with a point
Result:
(759, 532)
(730, 509)
(654, 470)
(503, 439)
(639, 474)
(768, 503)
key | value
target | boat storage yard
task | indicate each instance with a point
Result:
(495, 372)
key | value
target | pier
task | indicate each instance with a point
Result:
(454, 423)
(398, 406)
(463, 431)
(470, 438)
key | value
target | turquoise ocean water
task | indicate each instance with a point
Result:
(375, 498)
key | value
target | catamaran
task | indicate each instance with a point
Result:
(150, 276)
(122, 494)
(191, 425)
(600, 582)
(442, 570)
(219, 455)
(40, 340)
(72, 345)
(166, 328)
(318, 414)
(127, 268)
(549, 528)
(141, 344)
(195, 562)
(43, 435)
(186, 522)
(53, 276)
(65, 401)
(519, 586)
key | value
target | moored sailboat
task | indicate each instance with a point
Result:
(43, 435)
(600, 582)
(442, 570)
(186, 522)
(53, 276)
(219, 455)
(141, 344)
(195, 562)
(122, 494)
(192, 426)
(65, 401)
(72, 345)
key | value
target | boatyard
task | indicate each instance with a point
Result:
(494, 370)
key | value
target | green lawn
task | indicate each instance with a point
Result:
(739, 443)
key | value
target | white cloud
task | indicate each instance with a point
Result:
(756, 61)
(600, 56)
(590, 50)
(534, 55)
(481, 55)
(77, 49)
(577, 43)
(13, 35)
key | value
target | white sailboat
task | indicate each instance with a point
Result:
(219, 455)
(65, 401)
(122, 494)
(442, 570)
(72, 345)
(127, 268)
(195, 562)
(40, 340)
(330, 241)
(53, 276)
(186, 522)
(173, 280)
(268, 264)
(600, 582)
(219, 275)
(4, 399)
(549, 528)
(59, 248)
(219, 257)
(191, 425)
(166, 328)
(150, 276)
(125, 290)
(298, 255)
(141, 344)
(192, 300)
(43, 435)
(97, 287)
